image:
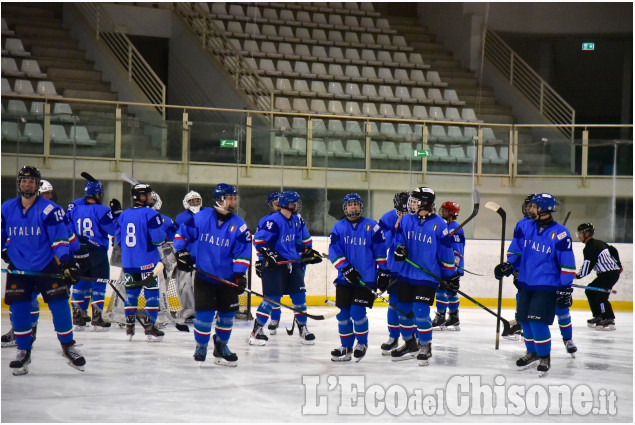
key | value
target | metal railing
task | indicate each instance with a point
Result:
(139, 72)
(536, 90)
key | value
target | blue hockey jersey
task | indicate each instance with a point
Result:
(360, 244)
(458, 246)
(178, 221)
(224, 247)
(387, 224)
(169, 226)
(139, 232)
(93, 223)
(544, 259)
(34, 237)
(429, 246)
(287, 237)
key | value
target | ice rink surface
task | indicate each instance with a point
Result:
(467, 379)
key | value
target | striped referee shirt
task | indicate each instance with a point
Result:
(597, 257)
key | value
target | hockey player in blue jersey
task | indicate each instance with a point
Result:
(541, 252)
(423, 238)
(224, 250)
(388, 224)
(278, 239)
(357, 249)
(139, 232)
(36, 238)
(449, 300)
(192, 202)
(93, 224)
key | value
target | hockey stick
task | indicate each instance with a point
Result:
(564, 223)
(594, 288)
(409, 315)
(233, 285)
(290, 331)
(506, 326)
(87, 176)
(500, 211)
(477, 202)
(467, 271)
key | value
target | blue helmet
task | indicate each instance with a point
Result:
(273, 196)
(290, 197)
(545, 202)
(220, 192)
(354, 199)
(91, 189)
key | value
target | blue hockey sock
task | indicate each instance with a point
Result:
(564, 321)
(21, 322)
(62, 319)
(224, 325)
(276, 312)
(203, 326)
(360, 321)
(152, 303)
(35, 309)
(407, 326)
(299, 303)
(453, 302)
(264, 309)
(99, 293)
(424, 324)
(78, 294)
(132, 301)
(542, 338)
(345, 327)
(528, 337)
(442, 301)
(393, 317)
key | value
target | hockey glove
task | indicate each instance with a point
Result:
(383, 279)
(515, 281)
(5, 256)
(563, 297)
(401, 253)
(70, 271)
(184, 261)
(351, 275)
(451, 285)
(311, 256)
(259, 268)
(115, 207)
(239, 279)
(502, 270)
(270, 257)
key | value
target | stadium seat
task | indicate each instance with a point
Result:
(419, 94)
(417, 76)
(438, 134)
(440, 153)
(10, 68)
(386, 92)
(420, 112)
(390, 149)
(282, 104)
(83, 138)
(369, 109)
(11, 132)
(489, 153)
(468, 115)
(6, 87)
(354, 147)
(299, 145)
(375, 152)
(33, 132)
(386, 110)
(59, 135)
(433, 77)
(355, 128)
(319, 107)
(16, 108)
(6, 31)
(455, 133)
(403, 94)
(489, 136)
(15, 47)
(435, 95)
(302, 87)
(451, 96)
(282, 146)
(352, 108)
(335, 146)
(301, 105)
(436, 113)
(452, 114)
(403, 111)
(458, 154)
(319, 89)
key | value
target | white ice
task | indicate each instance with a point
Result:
(140, 381)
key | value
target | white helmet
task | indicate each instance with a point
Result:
(191, 195)
(157, 201)
(45, 186)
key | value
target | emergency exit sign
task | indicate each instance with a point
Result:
(588, 46)
(224, 143)
(419, 153)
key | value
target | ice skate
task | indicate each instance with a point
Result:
(438, 323)
(153, 334)
(360, 351)
(98, 323)
(605, 325)
(222, 355)
(33, 334)
(570, 346)
(453, 322)
(342, 354)
(407, 351)
(257, 336)
(389, 345)
(273, 326)
(73, 357)
(592, 322)
(200, 353)
(21, 363)
(425, 352)
(8, 339)
(526, 360)
(544, 365)
(306, 337)
(130, 322)
(79, 320)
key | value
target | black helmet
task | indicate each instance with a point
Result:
(30, 172)
(400, 201)
(526, 203)
(139, 189)
(424, 197)
(586, 228)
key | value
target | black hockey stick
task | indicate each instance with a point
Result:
(233, 285)
(290, 331)
(408, 315)
(500, 211)
(467, 271)
(506, 326)
(477, 202)
(564, 223)
(87, 176)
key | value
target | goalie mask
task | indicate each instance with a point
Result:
(422, 198)
(225, 198)
(353, 206)
(155, 201)
(193, 201)
(28, 172)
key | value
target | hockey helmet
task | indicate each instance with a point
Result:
(45, 186)
(421, 198)
(28, 172)
(352, 199)
(526, 203)
(221, 192)
(452, 208)
(190, 199)
(156, 201)
(271, 198)
(400, 201)
(290, 197)
(586, 228)
(545, 202)
(138, 190)
(92, 189)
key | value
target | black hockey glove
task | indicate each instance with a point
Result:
(383, 279)
(270, 257)
(259, 268)
(5, 256)
(516, 281)
(401, 253)
(184, 261)
(70, 271)
(351, 275)
(563, 297)
(451, 285)
(311, 256)
(239, 279)
(115, 207)
(502, 270)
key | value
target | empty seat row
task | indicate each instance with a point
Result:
(61, 112)
(33, 133)
(28, 67)
(236, 11)
(24, 87)
(14, 47)
(6, 31)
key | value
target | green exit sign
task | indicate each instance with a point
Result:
(419, 153)
(588, 46)
(224, 143)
